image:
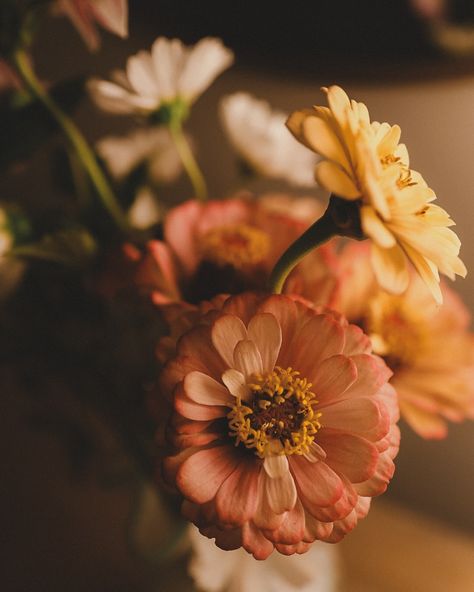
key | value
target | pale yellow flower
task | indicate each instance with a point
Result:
(366, 163)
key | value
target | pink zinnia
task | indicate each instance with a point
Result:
(283, 424)
(85, 14)
(230, 246)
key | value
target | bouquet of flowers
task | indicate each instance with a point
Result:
(259, 349)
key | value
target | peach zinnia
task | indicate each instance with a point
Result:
(283, 424)
(428, 347)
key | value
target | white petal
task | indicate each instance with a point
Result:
(203, 389)
(265, 331)
(247, 358)
(168, 57)
(141, 75)
(235, 382)
(276, 466)
(227, 331)
(280, 489)
(206, 61)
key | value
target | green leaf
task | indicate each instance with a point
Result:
(72, 246)
(26, 128)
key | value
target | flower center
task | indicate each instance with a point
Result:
(239, 245)
(398, 332)
(279, 417)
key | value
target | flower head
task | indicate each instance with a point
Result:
(429, 347)
(230, 246)
(365, 163)
(150, 146)
(283, 424)
(168, 78)
(259, 136)
(84, 14)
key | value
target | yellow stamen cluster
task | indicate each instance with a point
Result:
(279, 417)
(239, 245)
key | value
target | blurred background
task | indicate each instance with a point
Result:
(412, 63)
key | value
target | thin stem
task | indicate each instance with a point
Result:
(189, 162)
(321, 231)
(75, 137)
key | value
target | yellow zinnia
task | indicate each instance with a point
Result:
(366, 163)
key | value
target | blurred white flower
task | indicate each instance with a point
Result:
(214, 570)
(152, 144)
(171, 72)
(145, 211)
(84, 14)
(259, 135)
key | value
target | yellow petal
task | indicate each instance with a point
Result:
(332, 178)
(339, 103)
(295, 124)
(390, 268)
(322, 138)
(375, 229)
(389, 142)
(427, 271)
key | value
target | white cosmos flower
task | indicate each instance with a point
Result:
(169, 72)
(259, 135)
(214, 570)
(152, 145)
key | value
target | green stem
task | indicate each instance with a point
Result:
(75, 137)
(189, 162)
(321, 231)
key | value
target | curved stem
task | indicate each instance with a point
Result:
(321, 231)
(189, 162)
(75, 137)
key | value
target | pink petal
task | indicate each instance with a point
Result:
(357, 342)
(243, 306)
(284, 310)
(332, 377)
(203, 389)
(350, 455)
(265, 332)
(318, 485)
(377, 484)
(291, 530)
(255, 543)
(247, 358)
(227, 331)
(200, 476)
(180, 233)
(372, 373)
(361, 416)
(316, 530)
(237, 499)
(320, 338)
(196, 345)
